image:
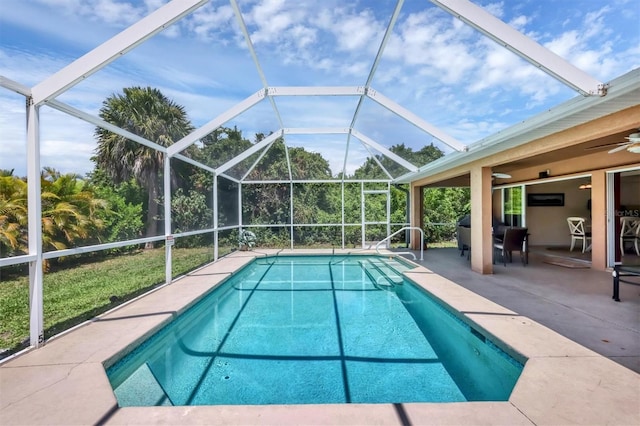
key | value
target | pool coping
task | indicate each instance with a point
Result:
(562, 382)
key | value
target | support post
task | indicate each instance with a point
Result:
(168, 240)
(291, 209)
(343, 216)
(481, 213)
(34, 202)
(362, 215)
(216, 253)
(599, 220)
(417, 214)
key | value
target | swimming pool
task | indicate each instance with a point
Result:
(313, 330)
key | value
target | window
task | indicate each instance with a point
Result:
(512, 203)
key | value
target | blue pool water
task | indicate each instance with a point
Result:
(323, 329)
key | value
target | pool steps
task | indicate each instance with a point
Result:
(384, 272)
(143, 389)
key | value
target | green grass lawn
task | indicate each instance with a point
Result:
(77, 293)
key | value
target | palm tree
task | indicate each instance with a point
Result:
(13, 214)
(69, 212)
(69, 209)
(148, 113)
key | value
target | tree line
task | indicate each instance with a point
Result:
(121, 198)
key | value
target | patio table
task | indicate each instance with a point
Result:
(620, 270)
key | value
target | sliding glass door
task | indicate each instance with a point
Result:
(513, 206)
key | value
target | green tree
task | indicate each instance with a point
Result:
(442, 208)
(148, 113)
(13, 214)
(124, 219)
(371, 170)
(69, 210)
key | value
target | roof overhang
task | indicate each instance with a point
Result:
(623, 93)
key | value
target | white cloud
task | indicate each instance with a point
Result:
(113, 12)
(356, 32)
(496, 9)
(434, 65)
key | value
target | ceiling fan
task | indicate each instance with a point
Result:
(632, 144)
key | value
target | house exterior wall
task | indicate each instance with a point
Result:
(561, 154)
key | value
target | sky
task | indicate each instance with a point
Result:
(433, 65)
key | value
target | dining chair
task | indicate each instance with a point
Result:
(578, 233)
(630, 232)
(513, 240)
(464, 240)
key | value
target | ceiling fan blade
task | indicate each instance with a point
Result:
(633, 137)
(620, 148)
(606, 145)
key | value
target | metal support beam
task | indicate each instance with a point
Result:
(523, 46)
(415, 120)
(194, 163)
(370, 142)
(315, 130)
(376, 160)
(34, 213)
(113, 48)
(74, 112)
(14, 86)
(168, 238)
(203, 131)
(249, 152)
(316, 91)
(215, 217)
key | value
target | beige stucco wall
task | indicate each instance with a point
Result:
(548, 225)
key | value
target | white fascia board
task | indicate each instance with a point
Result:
(316, 91)
(194, 162)
(14, 86)
(315, 130)
(74, 112)
(370, 142)
(415, 120)
(249, 152)
(523, 46)
(113, 48)
(203, 131)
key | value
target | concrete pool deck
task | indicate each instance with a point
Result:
(563, 382)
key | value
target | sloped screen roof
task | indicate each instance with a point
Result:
(358, 83)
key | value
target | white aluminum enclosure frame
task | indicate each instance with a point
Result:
(46, 92)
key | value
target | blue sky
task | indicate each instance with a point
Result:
(434, 65)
